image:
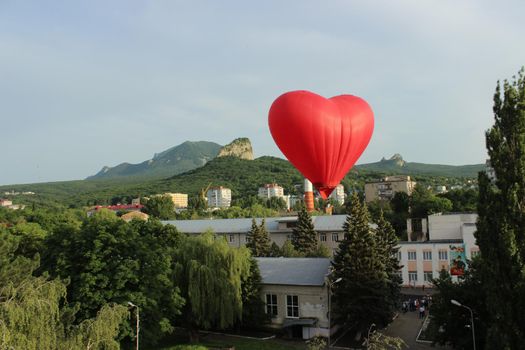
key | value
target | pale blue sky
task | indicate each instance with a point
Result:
(85, 84)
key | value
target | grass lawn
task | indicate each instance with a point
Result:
(213, 341)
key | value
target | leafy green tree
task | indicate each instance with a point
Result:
(501, 222)
(288, 250)
(449, 322)
(209, 274)
(463, 200)
(160, 207)
(258, 239)
(34, 313)
(361, 296)
(424, 203)
(304, 237)
(387, 248)
(109, 260)
(31, 238)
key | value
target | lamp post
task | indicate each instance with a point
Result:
(330, 285)
(368, 336)
(138, 323)
(457, 303)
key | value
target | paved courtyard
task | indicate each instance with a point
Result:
(406, 326)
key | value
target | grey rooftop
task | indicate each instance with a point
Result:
(294, 271)
(321, 223)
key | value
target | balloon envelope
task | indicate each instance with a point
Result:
(322, 138)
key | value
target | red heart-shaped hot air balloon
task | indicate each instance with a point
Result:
(321, 137)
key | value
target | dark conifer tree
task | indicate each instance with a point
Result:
(304, 237)
(387, 248)
(258, 240)
(360, 296)
(501, 223)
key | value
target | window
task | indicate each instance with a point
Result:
(322, 237)
(474, 253)
(427, 276)
(292, 306)
(246, 238)
(412, 255)
(443, 255)
(412, 276)
(232, 238)
(271, 304)
(289, 237)
(335, 237)
(427, 255)
(399, 256)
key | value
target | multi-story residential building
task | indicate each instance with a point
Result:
(271, 190)
(386, 188)
(274, 190)
(180, 200)
(338, 194)
(219, 197)
(296, 295)
(445, 241)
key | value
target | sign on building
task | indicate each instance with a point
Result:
(458, 260)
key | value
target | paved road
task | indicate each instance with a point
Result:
(406, 326)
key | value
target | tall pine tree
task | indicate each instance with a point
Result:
(259, 240)
(501, 223)
(304, 237)
(360, 295)
(387, 248)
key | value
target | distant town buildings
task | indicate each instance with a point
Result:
(180, 200)
(274, 190)
(386, 188)
(219, 197)
(6, 203)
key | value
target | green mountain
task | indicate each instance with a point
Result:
(176, 160)
(396, 165)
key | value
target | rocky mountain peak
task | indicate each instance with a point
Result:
(240, 148)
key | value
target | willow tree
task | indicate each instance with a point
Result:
(209, 274)
(35, 315)
(501, 223)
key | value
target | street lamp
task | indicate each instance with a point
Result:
(330, 285)
(457, 303)
(138, 323)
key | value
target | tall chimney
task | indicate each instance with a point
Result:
(308, 196)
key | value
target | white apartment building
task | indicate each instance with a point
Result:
(385, 189)
(338, 194)
(446, 241)
(273, 190)
(219, 197)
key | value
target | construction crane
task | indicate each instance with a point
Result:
(204, 191)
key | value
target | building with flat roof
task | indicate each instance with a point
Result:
(385, 189)
(180, 200)
(445, 242)
(219, 197)
(296, 295)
